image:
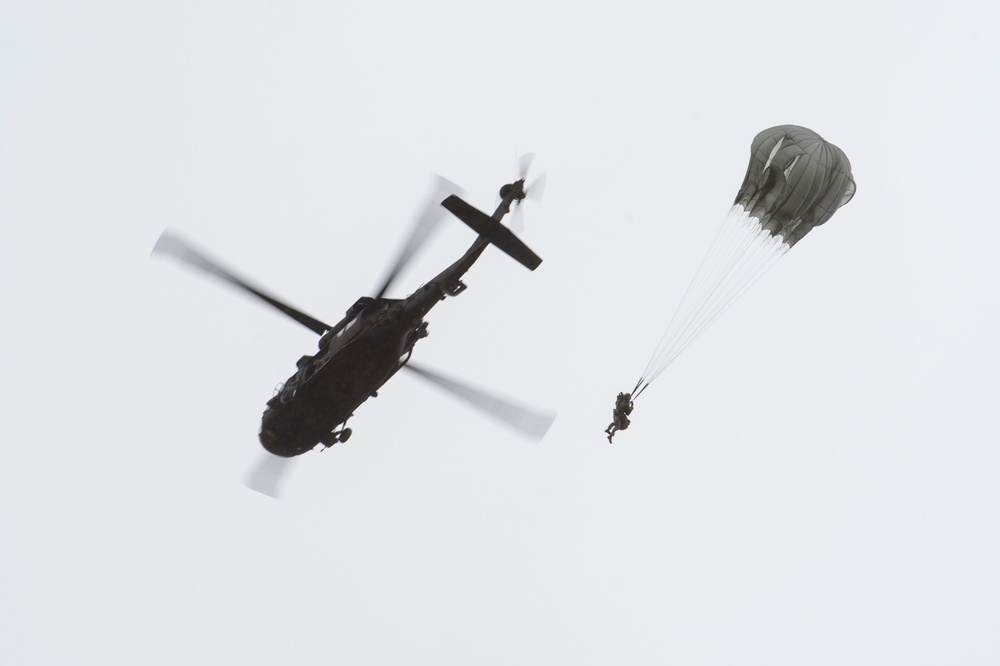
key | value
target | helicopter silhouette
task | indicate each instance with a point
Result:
(376, 336)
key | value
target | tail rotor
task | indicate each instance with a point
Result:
(532, 191)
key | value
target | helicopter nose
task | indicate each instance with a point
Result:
(279, 443)
(268, 438)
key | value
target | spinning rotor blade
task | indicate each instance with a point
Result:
(535, 190)
(269, 474)
(532, 191)
(516, 223)
(525, 421)
(169, 244)
(430, 216)
(524, 164)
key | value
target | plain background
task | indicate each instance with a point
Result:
(812, 481)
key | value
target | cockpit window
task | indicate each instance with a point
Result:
(347, 326)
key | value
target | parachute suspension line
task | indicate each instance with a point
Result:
(740, 254)
(744, 266)
(635, 393)
(764, 256)
(695, 291)
(692, 296)
(699, 289)
(735, 280)
(746, 263)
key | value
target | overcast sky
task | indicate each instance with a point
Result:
(812, 482)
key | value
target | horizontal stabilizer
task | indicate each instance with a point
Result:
(493, 231)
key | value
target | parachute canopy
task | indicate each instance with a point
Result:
(795, 181)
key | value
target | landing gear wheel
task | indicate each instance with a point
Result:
(344, 435)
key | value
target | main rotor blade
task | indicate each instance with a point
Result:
(269, 474)
(172, 245)
(431, 214)
(528, 422)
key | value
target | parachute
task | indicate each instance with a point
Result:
(795, 181)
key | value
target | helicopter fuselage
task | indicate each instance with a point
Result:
(356, 357)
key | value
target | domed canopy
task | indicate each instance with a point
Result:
(795, 181)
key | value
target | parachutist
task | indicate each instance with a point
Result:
(623, 407)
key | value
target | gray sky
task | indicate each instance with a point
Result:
(812, 481)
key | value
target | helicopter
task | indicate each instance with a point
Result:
(375, 338)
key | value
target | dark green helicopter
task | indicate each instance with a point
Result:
(375, 339)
